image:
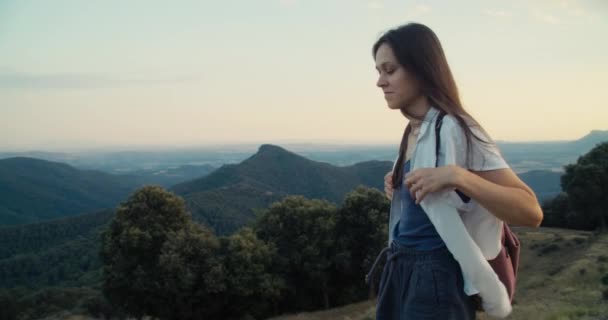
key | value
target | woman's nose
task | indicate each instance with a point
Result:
(381, 82)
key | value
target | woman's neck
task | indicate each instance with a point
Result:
(416, 111)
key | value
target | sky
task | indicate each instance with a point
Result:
(95, 74)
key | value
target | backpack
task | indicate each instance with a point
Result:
(507, 261)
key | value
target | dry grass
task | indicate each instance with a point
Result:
(358, 311)
(559, 279)
(560, 275)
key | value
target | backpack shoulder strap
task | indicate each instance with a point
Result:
(438, 123)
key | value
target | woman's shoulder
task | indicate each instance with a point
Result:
(453, 123)
(455, 127)
(451, 129)
(483, 151)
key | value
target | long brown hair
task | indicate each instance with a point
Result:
(419, 51)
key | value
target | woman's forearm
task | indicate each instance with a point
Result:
(515, 205)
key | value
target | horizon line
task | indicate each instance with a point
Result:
(230, 144)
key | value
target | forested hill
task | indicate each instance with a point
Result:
(32, 190)
(62, 252)
(225, 199)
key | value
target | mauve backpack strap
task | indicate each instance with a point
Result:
(512, 245)
(505, 264)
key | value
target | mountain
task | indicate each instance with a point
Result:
(586, 143)
(578, 146)
(138, 161)
(226, 198)
(33, 190)
(522, 156)
(526, 156)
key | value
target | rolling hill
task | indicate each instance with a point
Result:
(33, 190)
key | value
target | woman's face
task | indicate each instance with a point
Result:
(399, 86)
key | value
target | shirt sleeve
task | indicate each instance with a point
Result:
(483, 155)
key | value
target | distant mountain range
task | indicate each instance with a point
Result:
(522, 156)
(34, 190)
(526, 156)
(578, 146)
(141, 161)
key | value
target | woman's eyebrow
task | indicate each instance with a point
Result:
(382, 65)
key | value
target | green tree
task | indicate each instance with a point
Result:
(8, 306)
(558, 213)
(555, 211)
(360, 233)
(586, 183)
(193, 276)
(251, 287)
(132, 246)
(98, 306)
(302, 231)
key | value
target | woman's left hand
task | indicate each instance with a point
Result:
(421, 182)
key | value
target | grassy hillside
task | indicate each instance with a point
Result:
(563, 276)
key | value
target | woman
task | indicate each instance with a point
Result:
(450, 194)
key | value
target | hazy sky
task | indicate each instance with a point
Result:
(87, 74)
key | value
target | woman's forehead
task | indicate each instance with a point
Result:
(384, 55)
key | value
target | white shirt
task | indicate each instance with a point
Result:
(470, 232)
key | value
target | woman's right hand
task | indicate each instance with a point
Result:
(388, 185)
